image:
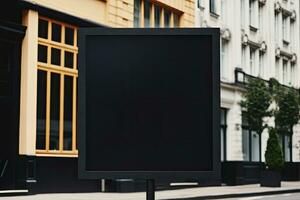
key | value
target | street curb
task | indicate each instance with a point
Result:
(225, 196)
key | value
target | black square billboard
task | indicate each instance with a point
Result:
(148, 103)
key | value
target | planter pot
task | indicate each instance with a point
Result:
(270, 178)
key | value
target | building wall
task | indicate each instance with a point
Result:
(111, 13)
(233, 17)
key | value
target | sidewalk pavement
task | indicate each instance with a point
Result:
(191, 193)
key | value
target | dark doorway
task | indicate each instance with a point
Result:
(11, 36)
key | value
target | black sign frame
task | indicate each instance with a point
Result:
(215, 173)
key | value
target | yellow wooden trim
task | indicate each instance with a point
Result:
(57, 69)
(142, 13)
(58, 22)
(162, 18)
(58, 45)
(172, 20)
(61, 111)
(53, 153)
(152, 15)
(48, 99)
(74, 114)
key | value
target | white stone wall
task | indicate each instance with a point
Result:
(232, 19)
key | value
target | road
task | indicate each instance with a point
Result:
(294, 196)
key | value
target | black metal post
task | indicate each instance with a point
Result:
(150, 192)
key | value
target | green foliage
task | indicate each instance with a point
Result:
(273, 154)
(287, 111)
(257, 102)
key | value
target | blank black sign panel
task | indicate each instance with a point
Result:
(147, 103)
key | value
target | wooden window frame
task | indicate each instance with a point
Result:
(62, 71)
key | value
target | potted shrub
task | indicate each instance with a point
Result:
(271, 176)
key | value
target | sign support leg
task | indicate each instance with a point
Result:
(150, 192)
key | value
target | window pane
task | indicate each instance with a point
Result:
(167, 18)
(43, 29)
(254, 146)
(176, 21)
(68, 105)
(42, 53)
(287, 148)
(55, 56)
(147, 13)
(54, 111)
(41, 110)
(69, 58)
(137, 5)
(244, 119)
(157, 15)
(223, 116)
(69, 36)
(56, 32)
(222, 143)
(245, 145)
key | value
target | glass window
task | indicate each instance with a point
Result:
(41, 110)
(245, 144)
(176, 20)
(212, 6)
(287, 148)
(223, 10)
(68, 101)
(284, 72)
(250, 142)
(223, 133)
(254, 147)
(157, 15)
(261, 64)
(69, 59)
(69, 36)
(43, 29)
(285, 24)
(56, 32)
(137, 7)
(147, 13)
(56, 112)
(42, 53)
(252, 61)
(252, 13)
(167, 18)
(55, 56)
(277, 68)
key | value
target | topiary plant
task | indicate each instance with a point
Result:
(273, 154)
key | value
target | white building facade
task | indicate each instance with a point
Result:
(261, 38)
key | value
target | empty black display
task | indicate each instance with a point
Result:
(148, 103)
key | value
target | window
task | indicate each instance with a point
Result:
(252, 61)
(243, 17)
(137, 12)
(277, 27)
(277, 69)
(150, 14)
(253, 12)
(223, 133)
(293, 73)
(261, 64)
(213, 6)
(223, 10)
(250, 142)
(223, 58)
(285, 142)
(199, 3)
(260, 19)
(147, 14)
(244, 57)
(285, 28)
(56, 88)
(285, 72)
